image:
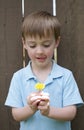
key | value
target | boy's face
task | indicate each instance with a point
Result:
(40, 51)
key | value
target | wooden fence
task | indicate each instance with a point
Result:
(11, 51)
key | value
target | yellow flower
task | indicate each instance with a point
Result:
(40, 86)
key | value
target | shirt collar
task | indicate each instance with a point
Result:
(28, 72)
(56, 71)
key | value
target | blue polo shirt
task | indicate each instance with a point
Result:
(61, 86)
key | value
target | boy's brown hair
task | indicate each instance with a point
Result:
(41, 24)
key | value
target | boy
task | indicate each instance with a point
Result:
(33, 109)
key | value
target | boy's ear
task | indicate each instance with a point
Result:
(23, 42)
(57, 42)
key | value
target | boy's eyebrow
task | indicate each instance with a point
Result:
(48, 40)
(31, 41)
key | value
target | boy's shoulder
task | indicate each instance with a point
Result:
(60, 70)
(63, 69)
(23, 71)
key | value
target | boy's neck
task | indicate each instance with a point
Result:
(42, 73)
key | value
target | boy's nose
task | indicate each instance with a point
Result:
(39, 49)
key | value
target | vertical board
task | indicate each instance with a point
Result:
(71, 49)
(32, 5)
(10, 54)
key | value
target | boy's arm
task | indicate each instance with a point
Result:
(22, 113)
(25, 112)
(65, 114)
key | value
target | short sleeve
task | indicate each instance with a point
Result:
(14, 98)
(71, 94)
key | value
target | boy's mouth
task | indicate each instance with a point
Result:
(41, 59)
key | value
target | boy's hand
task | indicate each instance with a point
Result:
(33, 101)
(39, 101)
(44, 106)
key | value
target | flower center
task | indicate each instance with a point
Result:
(39, 86)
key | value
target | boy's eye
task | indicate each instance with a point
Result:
(32, 45)
(46, 45)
